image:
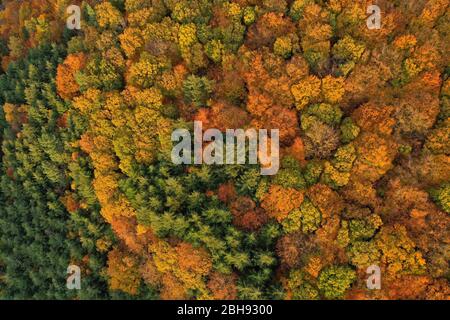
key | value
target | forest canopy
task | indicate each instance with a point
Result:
(86, 176)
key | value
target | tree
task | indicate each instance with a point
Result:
(123, 272)
(223, 287)
(321, 140)
(398, 251)
(326, 113)
(108, 16)
(214, 50)
(442, 197)
(347, 51)
(334, 281)
(306, 91)
(310, 217)
(349, 130)
(246, 215)
(364, 254)
(197, 90)
(282, 119)
(267, 28)
(316, 32)
(65, 77)
(283, 47)
(131, 41)
(144, 73)
(86, 176)
(53, 228)
(297, 8)
(300, 288)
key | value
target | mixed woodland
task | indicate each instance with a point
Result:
(86, 176)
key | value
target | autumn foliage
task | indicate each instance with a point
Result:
(86, 130)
